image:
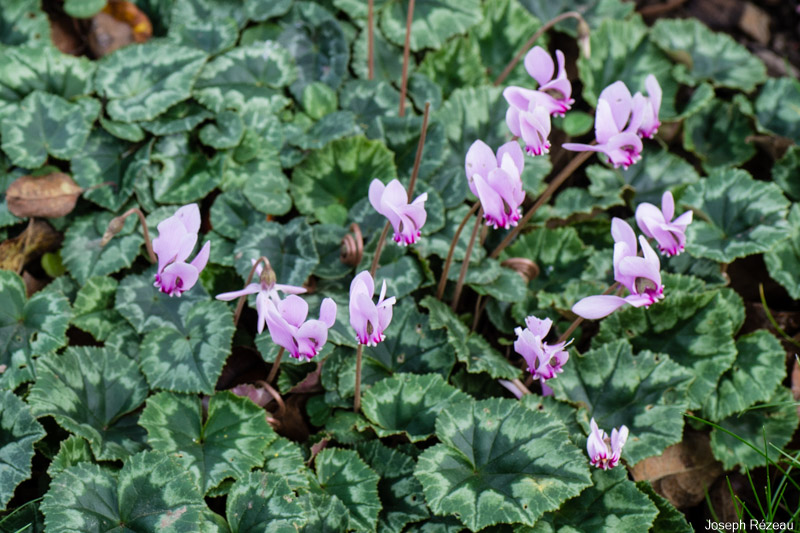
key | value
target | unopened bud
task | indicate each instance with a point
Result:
(114, 227)
(267, 277)
(584, 42)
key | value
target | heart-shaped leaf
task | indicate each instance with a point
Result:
(343, 474)
(776, 107)
(21, 22)
(718, 134)
(71, 451)
(90, 392)
(434, 21)
(181, 117)
(93, 310)
(740, 216)
(325, 514)
(263, 501)
(499, 463)
(226, 132)
(286, 458)
(783, 261)
(657, 172)
(784, 171)
(227, 443)
(290, 249)
(18, 433)
(456, 64)
(189, 358)
(669, 519)
(213, 36)
(185, 175)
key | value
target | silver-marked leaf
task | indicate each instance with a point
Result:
(261, 181)
(387, 61)
(657, 172)
(470, 347)
(454, 65)
(325, 514)
(231, 215)
(331, 127)
(593, 11)
(72, 451)
(757, 371)
(261, 502)
(23, 22)
(776, 421)
(141, 82)
(18, 433)
(784, 172)
(212, 36)
(90, 392)
(343, 474)
(500, 463)
(783, 261)
(644, 391)
(245, 73)
(152, 492)
(434, 21)
(28, 327)
(285, 457)
(777, 107)
(371, 101)
(186, 175)
(44, 124)
(706, 55)
(239, 10)
(83, 255)
(408, 404)
(147, 308)
(328, 240)
(189, 358)
(669, 519)
(93, 310)
(403, 276)
(181, 117)
(401, 494)
(227, 443)
(740, 216)
(127, 131)
(289, 247)
(226, 132)
(718, 134)
(402, 137)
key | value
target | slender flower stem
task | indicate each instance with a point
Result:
(242, 298)
(480, 305)
(275, 366)
(115, 226)
(370, 41)
(406, 50)
(420, 146)
(566, 172)
(379, 249)
(449, 260)
(513, 63)
(357, 400)
(465, 264)
(521, 386)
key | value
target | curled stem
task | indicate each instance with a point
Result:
(370, 41)
(275, 366)
(357, 400)
(406, 50)
(451, 251)
(242, 298)
(275, 395)
(513, 63)
(465, 265)
(115, 226)
(566, 172)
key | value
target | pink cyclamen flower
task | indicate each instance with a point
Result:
(650, 123)
(640, 275)
(658, 224)
(177, 236)
(367, 318)
(496, 181)
(528, 118)
(616, 126)
(605, 452)
(266, 291)
(391, 201)
(553, 93)
(544, 360)
(288, 326)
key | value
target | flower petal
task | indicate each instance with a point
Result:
(539, 65)
(594, 307)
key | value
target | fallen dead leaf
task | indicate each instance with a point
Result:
(32, 284)
(39, 237)
(50, 196)
(107, 34)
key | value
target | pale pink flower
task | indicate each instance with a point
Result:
(658, 224)
(288, 326)
(553, 93)
(368, 318)
(177, 236)
(392, 202)
(604, 452)
(544, 360)
(497, 182)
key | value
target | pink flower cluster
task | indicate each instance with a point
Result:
(605, 451)
(544, 360)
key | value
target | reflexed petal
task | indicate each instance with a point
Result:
(594, 307)
(201, 259)
(654, 93)
(395, 194)
(667, 206)
(519, 97)
(167, 244)
(178, 277)
(647, 216)
(578, 147)
(289, 289)
(621, 231)
(539, 327)
(281, 331)
(263, 305)
(490, 200)
(294, 310)
(313, 334)
(376, 189)
(604, 125)
(619, 100)
(683, 220)
(327, 312)
(512, 121)
(363, 281)
(514, 152)
(189, 216)
(539, 65)
(480, 160)
(228, 296)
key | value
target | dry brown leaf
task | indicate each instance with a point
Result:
(39, 237)
(107, 34)
(50, 196)
(684, 472)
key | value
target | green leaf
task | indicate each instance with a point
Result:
(227, 443)
(147, 308)
(644, 391)
(403, 276)
(152, 492)
(328, 240)
(454, 65)
(694, 328)
(777, 107)
(43, 124)
(189, 358)
(755, 374)
(334, 126)
(90, 392)
(290, 249)
(325, 514)
(387, 60)
(408, 404)
(72, 451)
(343, 474)
(657, 172)
(23, 22)
(227, 132)
(245, 73)
(434, 21)
(402, 137)
(83, 9)
(783, 260)
(401, 494)
(706, 55)
(84, 257)
(213, 36)
(438, 243)
(127, 131)
(784, 171)
(340, 174)
(593, 11)
(261, 181)
(231, 214)
(239, 10)
(286, 458)
(261, 501)
(669, 519)
(141, 82)
(471, 349)
(28, 327)
(319, 100)
(18, 433)
(93, 310)
(182, 117)
(740, 216)
(718, 134)
(499, 463)
(185, 175)
(612, 503)
(775, 421)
